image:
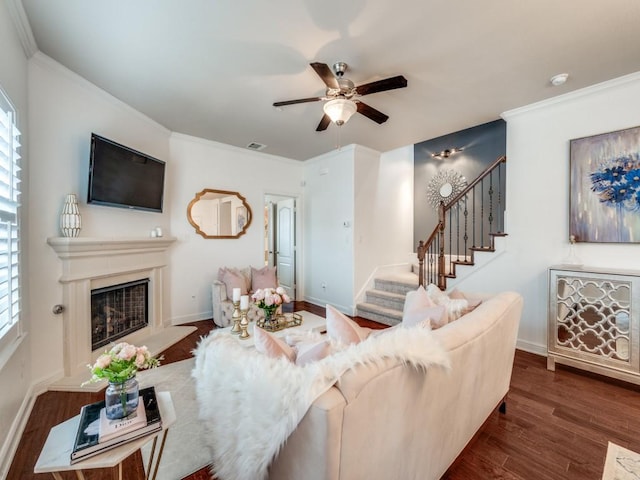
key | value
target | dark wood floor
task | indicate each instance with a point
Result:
(556, 427)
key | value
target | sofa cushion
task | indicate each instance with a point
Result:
(419, 307)
(233, 278)
(271, 345)
(263, 278)
(343, 329)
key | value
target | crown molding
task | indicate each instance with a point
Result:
(23, 27)
(576, 94)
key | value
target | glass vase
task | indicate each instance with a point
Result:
(269, 316)
(121, 399)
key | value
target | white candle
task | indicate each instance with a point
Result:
(236, 294)
(244, 302)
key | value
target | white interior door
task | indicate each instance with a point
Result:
(285, 253)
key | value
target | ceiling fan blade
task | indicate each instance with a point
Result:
(371, 113)
(300, 100)
(325, 73)
(382, 85)
(324, 123)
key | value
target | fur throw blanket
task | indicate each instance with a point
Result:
(251, 403)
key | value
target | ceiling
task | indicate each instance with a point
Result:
(213, 68)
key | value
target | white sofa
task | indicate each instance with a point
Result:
(390, 421)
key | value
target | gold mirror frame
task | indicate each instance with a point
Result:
(237, 214)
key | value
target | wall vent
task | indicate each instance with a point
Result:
(256, 146)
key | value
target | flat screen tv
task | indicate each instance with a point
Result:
(122, 177)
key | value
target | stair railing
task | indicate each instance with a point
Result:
(468, 223)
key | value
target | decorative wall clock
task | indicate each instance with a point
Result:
(444, 186)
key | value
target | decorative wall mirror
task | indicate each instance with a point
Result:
(219, 214)
(444, 187)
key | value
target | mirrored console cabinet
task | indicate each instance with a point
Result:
(593, 321)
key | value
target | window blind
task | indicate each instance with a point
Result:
(9, 222)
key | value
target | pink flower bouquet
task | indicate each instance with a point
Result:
(269, 299)
(121, 363)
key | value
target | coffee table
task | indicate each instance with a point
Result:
(310, 323)
(56, 453)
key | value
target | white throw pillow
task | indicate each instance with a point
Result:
(455, 307)
(418, 307)
(471, 304)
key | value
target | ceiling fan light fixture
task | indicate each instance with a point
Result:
(340, 110)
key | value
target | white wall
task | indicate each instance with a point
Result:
(359, 216)
(63, 111)
(15, 374)
(538, 196)
(328, 229)
(197, 164)
(383, 225)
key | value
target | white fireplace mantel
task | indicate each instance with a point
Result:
(89, 263)
(91, 257)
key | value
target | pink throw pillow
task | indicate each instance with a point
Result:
(233, 278)
(263, 278)
(271, 345)
(312, 352)
(342, 328)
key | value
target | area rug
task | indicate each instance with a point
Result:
(184, 451)
(621, 464)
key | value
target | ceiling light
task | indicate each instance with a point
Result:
(340, 110)
(446, 153)
(559, 79)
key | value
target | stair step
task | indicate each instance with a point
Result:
(383, 298)
(397, 283)
(386, 316)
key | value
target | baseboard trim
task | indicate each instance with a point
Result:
(10, 446)
(193, 317)
(531, 347)
(347, 310)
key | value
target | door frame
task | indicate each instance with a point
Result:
(275, 196)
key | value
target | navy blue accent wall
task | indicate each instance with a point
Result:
(481, 145)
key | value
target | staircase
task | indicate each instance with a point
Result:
(384, 303)
(469, 227)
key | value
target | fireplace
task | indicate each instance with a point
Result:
(117, 311)
(101, 266)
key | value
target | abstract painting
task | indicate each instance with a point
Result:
(605, 187)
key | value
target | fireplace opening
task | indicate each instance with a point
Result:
(117, 311)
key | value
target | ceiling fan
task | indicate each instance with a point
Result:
(342, 95)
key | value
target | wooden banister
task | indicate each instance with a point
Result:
(435, 243)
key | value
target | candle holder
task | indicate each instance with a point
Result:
(235, 318)
(244, 325)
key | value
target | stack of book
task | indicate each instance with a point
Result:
(97, 434)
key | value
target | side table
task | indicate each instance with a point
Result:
(56, 453)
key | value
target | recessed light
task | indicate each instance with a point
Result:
(559, 79)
